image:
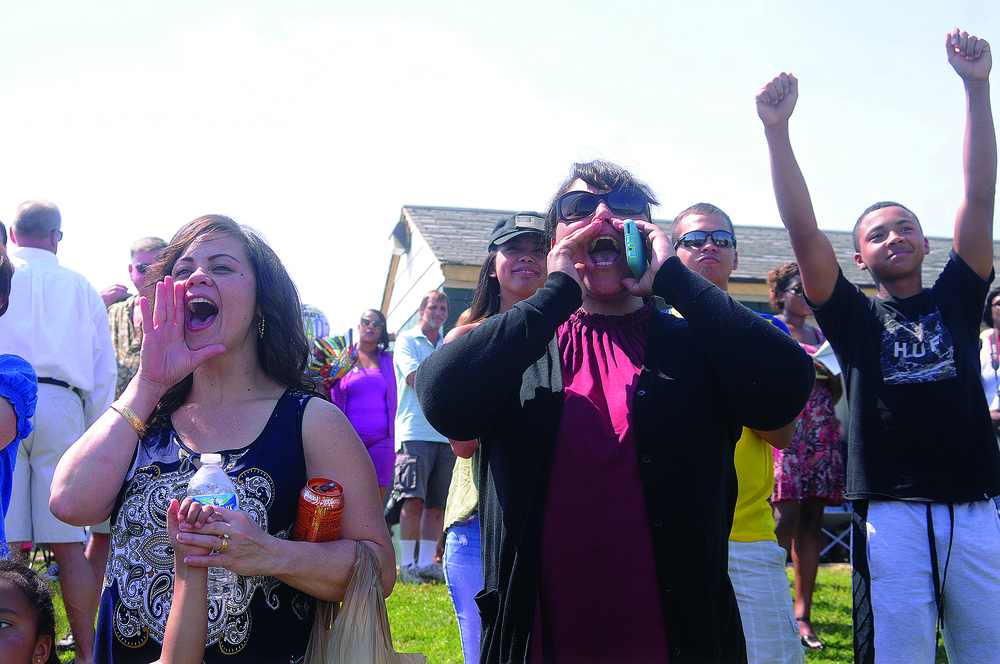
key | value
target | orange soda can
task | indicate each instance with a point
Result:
(321, 504)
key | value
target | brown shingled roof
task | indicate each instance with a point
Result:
(458, 236)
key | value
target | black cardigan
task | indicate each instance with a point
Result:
(703, 378)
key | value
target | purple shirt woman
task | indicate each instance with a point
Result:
(367, 395)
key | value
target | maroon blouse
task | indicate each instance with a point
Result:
(597, 589)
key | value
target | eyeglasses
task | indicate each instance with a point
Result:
(795, 290)
(59, 233)
(141, 267)
(697, 239)
(377, 324)
(628, 202)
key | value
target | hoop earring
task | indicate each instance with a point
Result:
(260, 328)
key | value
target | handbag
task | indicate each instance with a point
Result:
(359, 632)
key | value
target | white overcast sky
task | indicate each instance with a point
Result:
(316, 121)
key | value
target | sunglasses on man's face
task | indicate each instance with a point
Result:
(377, 324)
(796, 290)
(574, 205)
(697, 239)
(141, 267)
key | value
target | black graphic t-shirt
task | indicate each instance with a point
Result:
(918, 352)
(919, 425)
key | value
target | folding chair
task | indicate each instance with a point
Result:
(837, 526)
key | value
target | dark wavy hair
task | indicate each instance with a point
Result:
(486, 297)
(6, 274)
(777, 283)
(988, 312)
(282, 351)
(599, 175)
(383, 341)
(36, 592)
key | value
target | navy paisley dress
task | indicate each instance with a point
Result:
(266, 620)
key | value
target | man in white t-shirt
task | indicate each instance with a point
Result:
(424, 460)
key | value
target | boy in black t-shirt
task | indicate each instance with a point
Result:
(923, 460)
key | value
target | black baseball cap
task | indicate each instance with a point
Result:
(515, 225)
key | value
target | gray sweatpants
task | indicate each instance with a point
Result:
(895, 606)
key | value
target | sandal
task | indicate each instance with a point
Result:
(810, 641)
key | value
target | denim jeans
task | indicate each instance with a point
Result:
(463, 572)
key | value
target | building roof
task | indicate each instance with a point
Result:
(458, 236)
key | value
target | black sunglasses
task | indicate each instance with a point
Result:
(377, 324)
(697, 239)
(629, 202)
(795, 290)
(141, 267)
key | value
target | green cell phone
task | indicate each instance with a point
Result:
(635, 250)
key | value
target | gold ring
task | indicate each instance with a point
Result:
(225, 543)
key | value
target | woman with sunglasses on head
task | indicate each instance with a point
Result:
(607, 430)
(221, 370)
(809, 473)
(367, 395)
(513, 270)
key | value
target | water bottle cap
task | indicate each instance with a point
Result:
(211, 459)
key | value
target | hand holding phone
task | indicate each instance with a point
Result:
(635, 250)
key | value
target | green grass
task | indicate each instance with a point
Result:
(422, 620)
(831, 614)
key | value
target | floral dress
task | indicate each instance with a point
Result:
(812, 466)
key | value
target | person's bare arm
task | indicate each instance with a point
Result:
(779, 438)
(404, 358)
(972, 60)
(462, 448)
(114, 293)
(90, 473)
(187, 621)
(8, 423)
(817, 260)
(833, 382)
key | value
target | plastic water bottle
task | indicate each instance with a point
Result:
(211, 486)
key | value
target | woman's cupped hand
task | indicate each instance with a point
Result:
(658, 250)
(165, 358)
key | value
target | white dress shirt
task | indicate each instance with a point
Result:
(59, 324)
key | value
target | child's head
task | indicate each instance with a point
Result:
(889, 242)
(27, 619)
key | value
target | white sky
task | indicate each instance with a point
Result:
(316, 121)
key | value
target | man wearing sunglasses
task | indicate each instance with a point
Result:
(923, 460)
(126, 330)
(143, 253)
(705, 241)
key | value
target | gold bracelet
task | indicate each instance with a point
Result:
(137, 424)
